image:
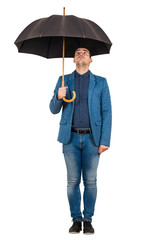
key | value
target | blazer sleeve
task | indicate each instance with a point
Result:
(106, 111)
(55, 104)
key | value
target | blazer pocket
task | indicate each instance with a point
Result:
(98, 122)
(63, 122)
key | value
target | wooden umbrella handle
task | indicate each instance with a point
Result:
(74, 93)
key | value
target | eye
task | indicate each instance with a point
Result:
(78, 53)
(85, 53)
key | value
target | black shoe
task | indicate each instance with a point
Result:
(76, 227)
(87, 228)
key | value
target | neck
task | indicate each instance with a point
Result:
(82, 70)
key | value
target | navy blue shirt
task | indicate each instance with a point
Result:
(81, 112)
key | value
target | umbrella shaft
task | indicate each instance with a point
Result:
(63, 54)
(63, 62)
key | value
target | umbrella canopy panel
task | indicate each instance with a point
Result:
(44, 37)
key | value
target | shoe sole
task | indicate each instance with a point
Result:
(74, 232)
(88, 233)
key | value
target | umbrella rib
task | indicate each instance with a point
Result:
(89, 23)
(49, 46)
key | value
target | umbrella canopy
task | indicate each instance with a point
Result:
(44, 37)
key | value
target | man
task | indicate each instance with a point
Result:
(85, 130)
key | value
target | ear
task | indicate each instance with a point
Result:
(74, 60)
(91, 60)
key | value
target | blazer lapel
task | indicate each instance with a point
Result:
(70, 84)
(92, 82)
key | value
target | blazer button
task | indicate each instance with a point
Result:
(70, 122)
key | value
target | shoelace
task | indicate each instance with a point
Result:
(88, 224)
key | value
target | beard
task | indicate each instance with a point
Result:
(81, 64)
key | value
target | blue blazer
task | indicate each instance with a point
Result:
(99, 104)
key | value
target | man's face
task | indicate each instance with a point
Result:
(82, 57)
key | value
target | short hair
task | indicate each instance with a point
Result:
(85, 48)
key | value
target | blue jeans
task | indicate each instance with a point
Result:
(81, 155)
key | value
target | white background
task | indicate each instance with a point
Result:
(33, 201)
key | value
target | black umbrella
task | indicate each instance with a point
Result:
(60, 35)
